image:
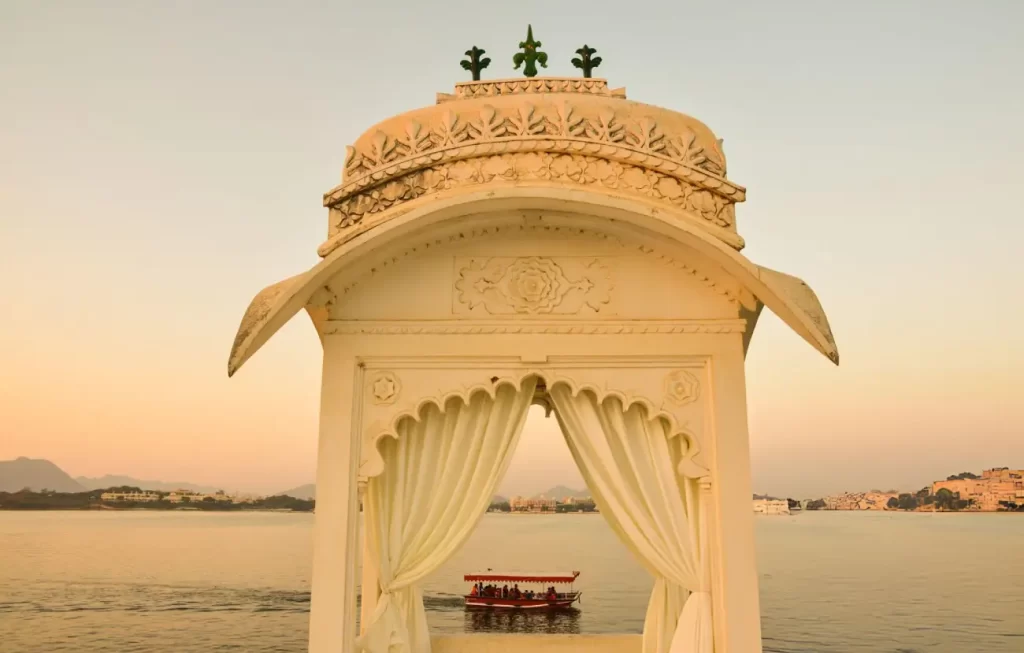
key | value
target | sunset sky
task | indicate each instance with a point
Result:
(162, 162)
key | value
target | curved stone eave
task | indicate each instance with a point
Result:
(788, 297)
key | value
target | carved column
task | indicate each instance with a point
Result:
(707, 503)
(370, 587)
(335, 543)
(735, 600)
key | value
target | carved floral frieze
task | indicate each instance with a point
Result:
(495, 87)
(491, 327)
(532, 286)
(717, 283)
(559, 120)
(571, 169)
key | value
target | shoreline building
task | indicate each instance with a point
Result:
(999, 484)
(538, 504)
(187, 496)
(541, 240)
(144, 496)
(771, 507)
(860, 501)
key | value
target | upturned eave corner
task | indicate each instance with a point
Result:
(268, 311)
(801, 310)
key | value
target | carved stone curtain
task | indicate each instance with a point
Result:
(439, 477)
(632, 467)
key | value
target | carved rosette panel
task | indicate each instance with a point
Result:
(532, 286)
(384, 388)
(681, 387)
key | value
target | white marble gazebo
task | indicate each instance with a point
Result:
(522, 241)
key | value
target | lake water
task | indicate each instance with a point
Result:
(184, 582)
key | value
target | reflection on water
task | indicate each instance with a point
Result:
(485, 620)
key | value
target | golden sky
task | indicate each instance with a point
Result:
(163, 163)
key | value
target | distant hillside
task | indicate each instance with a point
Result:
(36, 474)
(307, 491)
(117, 480)
(560, 492)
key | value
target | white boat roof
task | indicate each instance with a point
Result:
(523, 576)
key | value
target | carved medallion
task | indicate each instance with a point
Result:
(682, 387)
(384, 387)
(533, 285)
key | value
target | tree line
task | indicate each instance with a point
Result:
(92, 500)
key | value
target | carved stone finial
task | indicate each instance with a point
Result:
(586, 61)
(474, 63)
(530, 55)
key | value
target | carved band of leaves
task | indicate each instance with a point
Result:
(389, 154)
(619, 153)
(645, 146)
(563, 168)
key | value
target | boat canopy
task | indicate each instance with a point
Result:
(524, 576)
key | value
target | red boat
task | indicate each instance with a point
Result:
(493, 589)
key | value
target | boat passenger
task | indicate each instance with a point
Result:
(516, 594)
(474, 591)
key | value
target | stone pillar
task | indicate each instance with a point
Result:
(736, 604)
(335, 552)
(370, 583)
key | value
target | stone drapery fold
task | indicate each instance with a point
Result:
(440, 474)
(631, 466)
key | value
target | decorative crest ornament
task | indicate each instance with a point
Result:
(474, 63)
(530, 55)
(586, 61)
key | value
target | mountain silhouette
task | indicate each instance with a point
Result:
(36, 474)
(119, 480)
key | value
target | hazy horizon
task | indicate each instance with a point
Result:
(165, 162)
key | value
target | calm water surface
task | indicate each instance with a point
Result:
(184, 582)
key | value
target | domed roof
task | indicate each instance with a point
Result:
(535, 130)
(570, 142)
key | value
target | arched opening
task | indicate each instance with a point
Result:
(531, 532)
(442, 465)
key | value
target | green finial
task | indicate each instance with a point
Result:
(475, 64)
(586, 61)
(530, 55)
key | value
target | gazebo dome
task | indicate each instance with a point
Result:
(577, 132)
(539, 143)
